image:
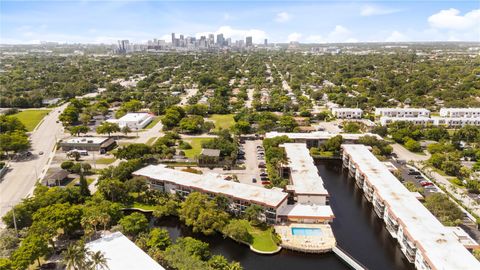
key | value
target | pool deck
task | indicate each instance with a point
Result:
(309, 244)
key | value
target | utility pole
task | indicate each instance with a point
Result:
(14, 220)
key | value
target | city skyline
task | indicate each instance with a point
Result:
(305, 22)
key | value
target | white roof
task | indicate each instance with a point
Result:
(377, 110)
(83, 140)
(134, 117)
(439, 244)
(307, 211)
(215, 183)
(347, 110)
(123, 254)
(459, 110)
(320, 135)
(303, 173)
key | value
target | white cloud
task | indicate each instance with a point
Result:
(396, 36)
(294, 37)
(451, 19)
(282, 17)
(315, 39)
(227, 16)
(339, 34)
(370, 10)
(229, 32)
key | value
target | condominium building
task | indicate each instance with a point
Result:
(434, 121)
(347, 113)
(134, 121)
(460, 112)
(402, 112)
(240, 195)
(422, 238)
(315, 139)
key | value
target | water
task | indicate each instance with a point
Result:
(357, 229)
(307, 231)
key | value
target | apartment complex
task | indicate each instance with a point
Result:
(460, 112)
(434, 121)
(402, 112)
(347, 113)
(422, 238)
(315, 139)
(241, 196)
(309, 198)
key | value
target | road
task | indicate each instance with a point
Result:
(20, 180)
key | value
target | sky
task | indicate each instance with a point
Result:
(91, 21)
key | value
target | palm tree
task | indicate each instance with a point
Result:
(98, 261)
(234, 266)
(74, 257)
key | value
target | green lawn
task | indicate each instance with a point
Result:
(224, 121)
(263, 240)
(31, 118)
(196, 144)
(153, 123)
(142, 206)
(74, 181)
(151, 140)
(105, 160)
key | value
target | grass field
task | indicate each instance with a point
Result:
(105, 160)
(224, 121)
(153, 123)
(143, 206)
(31, 118)
(196, 144)
(263, 240)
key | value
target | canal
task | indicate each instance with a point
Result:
(357, 229)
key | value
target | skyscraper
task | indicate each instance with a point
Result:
(220, 40)
(248, 42)
(123, 46)
(265, 42)
(173, 39)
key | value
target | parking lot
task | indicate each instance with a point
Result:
(414, 176)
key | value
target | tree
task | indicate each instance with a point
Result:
(444, 209)
(333, 144)
(84, 186)
(108, 128)
(133, 151)
(126, 129)
(15, 141)
(252, 213)
(113, 189)
(192, 124)
(413, 145)
(75, 257)
(98, 261)
(238, 230)
(75, 155)
(134, 224)
(351, 127)
(242, 127)
(85, 118)
(32, 248)
(76, 130)
(158, 238)
(202, 214)
(287, 123)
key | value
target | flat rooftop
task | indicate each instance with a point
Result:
(438, 243)
(215, 183)
(460, 110)
(303, 172)
(83, 140)
(346, 110)
(307, 211)
(401, 110)
(133, 117)
(123, 254)
(320, 135)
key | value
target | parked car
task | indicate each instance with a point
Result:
(413, 173)
(40, 153)
(264, 179)
(266, 183)
(419, 177)
(426, 183)
(263, 174)
(254, 180)
(261, 164)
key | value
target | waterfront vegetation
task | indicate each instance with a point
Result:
(31, 118)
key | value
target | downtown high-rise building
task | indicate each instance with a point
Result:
(220, 40)
(248, 42)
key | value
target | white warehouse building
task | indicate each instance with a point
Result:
(347, 113)
(134, 121)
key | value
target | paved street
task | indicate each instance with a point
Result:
(19, 181)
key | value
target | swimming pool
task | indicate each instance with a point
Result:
(307, 231)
